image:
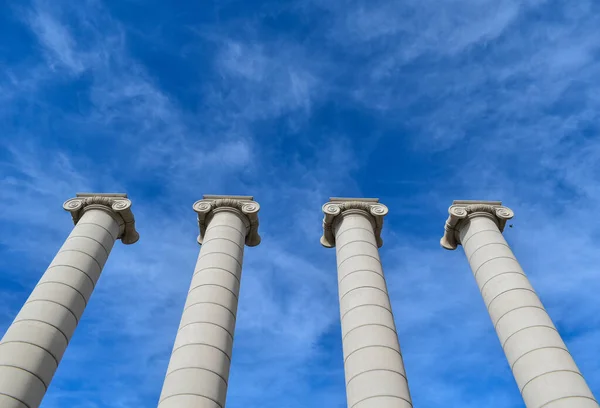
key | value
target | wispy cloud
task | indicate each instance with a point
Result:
(57, 41)
(424, 27)
(262, 80)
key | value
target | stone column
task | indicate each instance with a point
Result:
(37, 339)
(198, 371)
(375, 375)
(544, 370)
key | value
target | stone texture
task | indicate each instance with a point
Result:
(374, 369)
(34, 344)
(542, 366)
(198, 371)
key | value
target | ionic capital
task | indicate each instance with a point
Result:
(336, 207)
(244, 206)
(116, 204)
(465, 209)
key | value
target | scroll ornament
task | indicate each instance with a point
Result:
(119, 205)
(460, 211)
(248, 208)
(333, 209)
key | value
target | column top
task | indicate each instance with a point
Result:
(242, 205)
(464, 209)
(374, 210)
(117, 203)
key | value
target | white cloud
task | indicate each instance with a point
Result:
(55, 37)
(413, 28)
(263, 80)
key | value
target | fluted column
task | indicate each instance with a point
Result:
(544, 370)
(198, 371)
(373, 365)
(37, 339)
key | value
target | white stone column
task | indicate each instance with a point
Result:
(37, 339)
(373, 365)
(198, 371)
(544, 370)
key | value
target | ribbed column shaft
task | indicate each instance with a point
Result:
(544, 370)
(35, 342)
(198, 371)
(375, 375)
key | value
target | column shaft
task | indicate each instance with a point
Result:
(198, 371)
(34, 344)
(544, 370)
(374, 369)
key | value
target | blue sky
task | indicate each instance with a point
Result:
(417, 102)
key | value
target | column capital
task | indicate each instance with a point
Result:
(243, 206)
(369, 207)
(465, 209)
(116, 204)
